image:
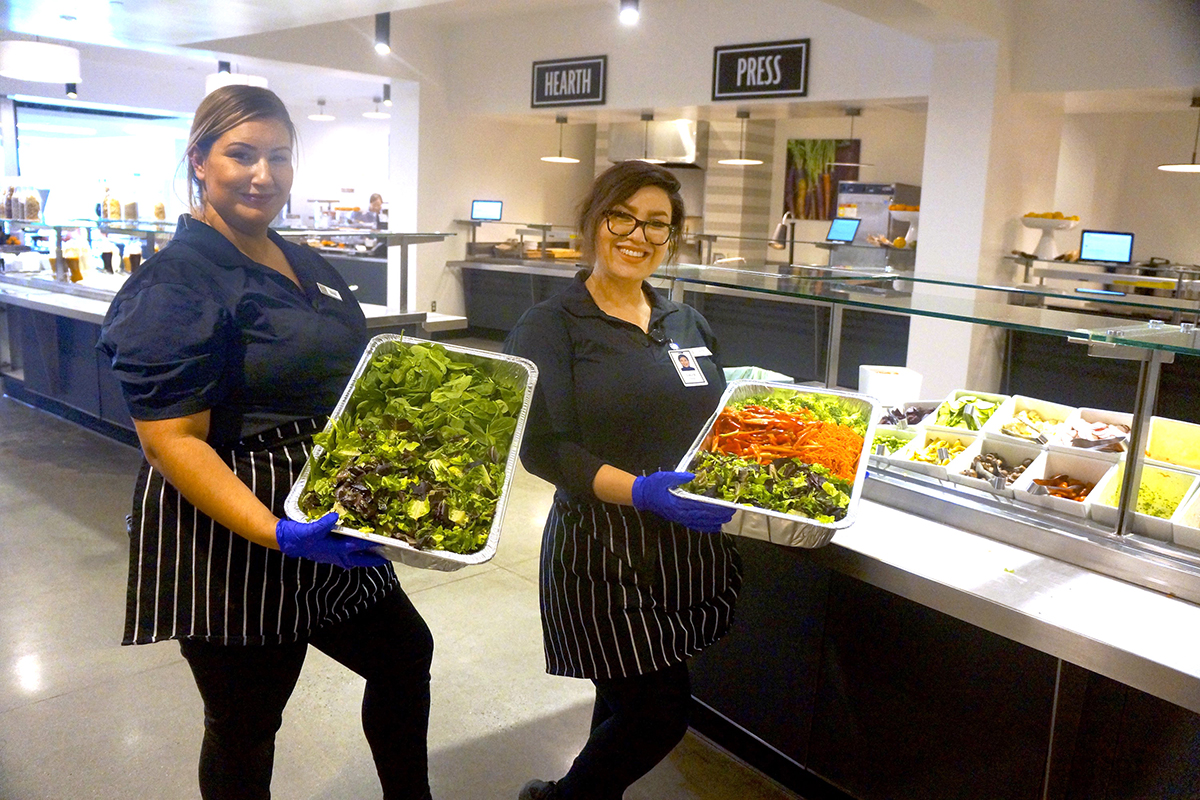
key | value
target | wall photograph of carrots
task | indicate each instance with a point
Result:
(811, 182)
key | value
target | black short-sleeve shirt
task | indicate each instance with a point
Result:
(607, 392)
(200, 326)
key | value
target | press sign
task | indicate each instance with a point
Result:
(767, 69)
(569, 82)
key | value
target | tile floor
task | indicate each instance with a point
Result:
(82, 717)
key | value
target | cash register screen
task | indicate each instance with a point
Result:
(842, 230)
(486, 210)
(1109, 246)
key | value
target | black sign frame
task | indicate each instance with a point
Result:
(597, 97)
(786, 48)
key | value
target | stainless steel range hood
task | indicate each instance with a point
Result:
(680, 143)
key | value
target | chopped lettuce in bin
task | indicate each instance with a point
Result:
(419, 452)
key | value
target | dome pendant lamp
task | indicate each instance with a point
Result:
(741, 160)
(321, 116)
(561, 119)
(852, 113)
(1193, 166)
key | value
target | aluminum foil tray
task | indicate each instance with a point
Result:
(525, 373)
(791, 530)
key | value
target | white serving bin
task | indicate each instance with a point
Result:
(1064, 445)
(1173, 444)
(1103, 499)
(903, 433)
(790, 530)
(1049, 463)
(522, 370)
(1012, 452)
(960, 393)
(1185, 523)
(891, 386)
(1056, 412)
(924, 437)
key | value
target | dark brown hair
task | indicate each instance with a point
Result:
(220, 112)
(617, 184)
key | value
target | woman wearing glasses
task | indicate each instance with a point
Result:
(633, 580)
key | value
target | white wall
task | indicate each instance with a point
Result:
(1108, 176)
(344, 160)
(666, 60)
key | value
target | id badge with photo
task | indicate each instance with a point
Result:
(687, 365)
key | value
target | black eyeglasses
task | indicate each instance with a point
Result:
(621, 224)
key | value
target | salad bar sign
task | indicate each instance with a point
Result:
(767, 69)
(569, 82)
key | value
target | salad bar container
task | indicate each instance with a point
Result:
(521, 372)
(789, 529)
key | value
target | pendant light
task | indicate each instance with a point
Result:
(321, 116)
(1193, 166)
(629, 12)
(377, 114)
(741, 160)
(561, 119)
(647, 118)
(39, 61)
(72, 91)
(387, 95)
(852, 113)
(383, 33)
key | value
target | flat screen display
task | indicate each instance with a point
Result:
(486, 209)
(1113, 247)
(843, 229)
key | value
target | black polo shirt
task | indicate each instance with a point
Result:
(200, 326)
(607, 392)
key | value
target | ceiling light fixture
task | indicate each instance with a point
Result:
(321, 116)
(629, 12)
(1193, 166)
(377, 114)
(852, 113)
(383, 33)
(38, 61)
(72, 91)
(647, 118)
(387, 95)
(561, 119)
(741, 160)
(225, 76)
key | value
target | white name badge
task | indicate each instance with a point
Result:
(688, 367)
(325, 290)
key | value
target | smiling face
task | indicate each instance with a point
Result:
(631, 257)
(247, 175)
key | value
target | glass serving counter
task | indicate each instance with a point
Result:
(1108, 542)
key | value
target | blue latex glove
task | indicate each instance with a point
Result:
(316, 542)
(653, 493)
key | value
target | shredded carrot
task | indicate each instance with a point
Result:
(764, 435)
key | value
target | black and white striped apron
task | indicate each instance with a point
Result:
(626, 593)
(190, 578)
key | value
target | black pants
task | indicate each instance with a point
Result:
(245, 688)
(636, 722)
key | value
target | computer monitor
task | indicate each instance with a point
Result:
(487, 210)
(842, 230)
(1109, 247)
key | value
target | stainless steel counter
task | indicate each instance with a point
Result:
(90, 305)
(1140, 637)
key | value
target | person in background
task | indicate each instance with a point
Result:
(374, 209)
(634, 580)
(232, 347)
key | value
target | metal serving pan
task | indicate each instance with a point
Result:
(521, 369)
(791, 530)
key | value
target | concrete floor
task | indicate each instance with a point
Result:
(82, 717)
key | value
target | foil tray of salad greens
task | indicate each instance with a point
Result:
(419, 452)
(780, 493)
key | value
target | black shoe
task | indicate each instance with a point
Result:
(538, 790)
